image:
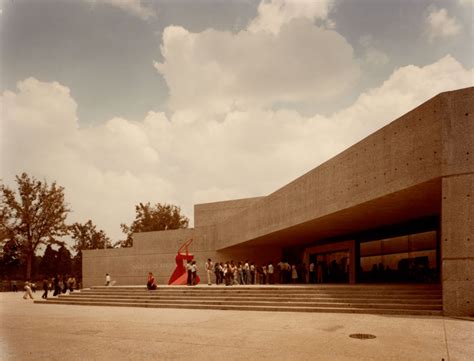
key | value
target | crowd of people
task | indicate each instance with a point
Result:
(58, 284)
(250, 273)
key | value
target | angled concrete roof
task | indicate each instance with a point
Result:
(393, 175)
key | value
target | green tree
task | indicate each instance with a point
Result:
(33, 217)
(11, 259)
(64, 263)
(86, 236)
(49, 262)
(150, 218)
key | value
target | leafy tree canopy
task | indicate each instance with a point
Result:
(86, 236)
(150, 218)
(34, 215)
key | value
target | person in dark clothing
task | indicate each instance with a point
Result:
(151, 283)
(45, 288)
(190, 273)
(57, 289)
(64, 290)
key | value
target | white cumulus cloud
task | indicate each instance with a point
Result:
(108, 168)
(440, 25)
(273, 14)
(222, 72)
(133, 7)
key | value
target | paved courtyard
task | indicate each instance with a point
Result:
(55, 332)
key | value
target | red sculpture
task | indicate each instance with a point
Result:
(180, 274)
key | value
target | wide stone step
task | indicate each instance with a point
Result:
(282, 296)
(263, 303)
(237, 288)
(368, 310)
(380, 299)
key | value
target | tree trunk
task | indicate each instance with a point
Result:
(29, 261)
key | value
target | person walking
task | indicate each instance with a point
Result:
(107, 279)
(28, 292)
(209, 267)
(45, 288)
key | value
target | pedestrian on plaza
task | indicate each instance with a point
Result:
(294, 274)
(190, 273)
(28, 292)
(247, 274)
(71, 283)
(65, 285)
(107, 279)
(217, 272)
(312, 273)
(14, 286)
(45, 288)
(57, 288)
(194, 273)
(270, 272)
(209, 267)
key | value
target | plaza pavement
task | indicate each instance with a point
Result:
(31, 331)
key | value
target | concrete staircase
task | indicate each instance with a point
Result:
(372, 299)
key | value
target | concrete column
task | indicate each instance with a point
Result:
(457, 244)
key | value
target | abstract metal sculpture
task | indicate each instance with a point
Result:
(180, 274)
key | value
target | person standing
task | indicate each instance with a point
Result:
(14, 286)
(270, 273)
(209, 268)
(57, 288)
(45, 288)
(107, 279)
(312, 274)
(217, 272)
(194, 273)
(294, 274)
(247, 275)
(190, 273)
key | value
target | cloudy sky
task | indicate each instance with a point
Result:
(184, 102)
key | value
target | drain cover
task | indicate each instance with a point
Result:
(362, 336)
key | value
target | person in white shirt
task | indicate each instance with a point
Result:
(270, 271)
(247, 275)
(107, 279)
(28, 290)
(209, 268)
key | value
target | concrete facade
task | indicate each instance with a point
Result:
(420, 165)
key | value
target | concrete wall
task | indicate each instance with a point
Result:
(457, 244)
(457, 227)
(151, 252)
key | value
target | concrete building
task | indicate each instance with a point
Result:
(395, 207)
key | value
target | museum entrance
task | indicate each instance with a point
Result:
(331, 267)
(333, 263)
